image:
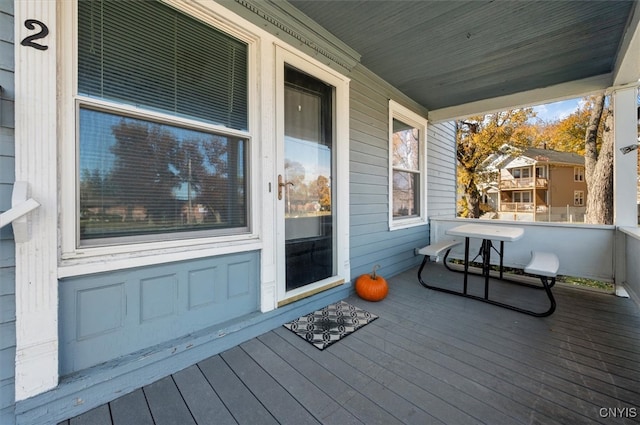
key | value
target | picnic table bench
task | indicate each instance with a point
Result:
(542, 264)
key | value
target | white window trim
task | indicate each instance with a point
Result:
(77, 260)
(399, 112)
(578, 174)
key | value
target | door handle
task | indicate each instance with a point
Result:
(282, 184)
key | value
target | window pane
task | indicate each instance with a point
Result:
(405, 194)
(138, 177)
(147, 54)
(406, 140)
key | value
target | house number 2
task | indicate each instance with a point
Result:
(33, 24)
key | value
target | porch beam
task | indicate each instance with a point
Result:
(627, 67)
(534, 97)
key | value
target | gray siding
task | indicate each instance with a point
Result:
(371, 241)
(441, 169)
(7, 249)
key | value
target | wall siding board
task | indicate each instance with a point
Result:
(363, 188)
(7, 281)
(7, 246)
(7, 79)
(364, 220)
(6, 397)
(441, 170)
(372, 180)
(7, 169)
(363, 145)
(370, 160)
(367, 124)
(6, 55)
(5, 196)
(360, 166)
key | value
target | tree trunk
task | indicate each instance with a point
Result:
(472, 196)
(599, 173)
(591, 139)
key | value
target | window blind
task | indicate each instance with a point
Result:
(147, 54)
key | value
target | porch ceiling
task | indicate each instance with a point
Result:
(444, 54)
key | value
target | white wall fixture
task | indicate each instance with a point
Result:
(21, 205)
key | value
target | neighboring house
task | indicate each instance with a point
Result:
(205, 171)
(541, 185)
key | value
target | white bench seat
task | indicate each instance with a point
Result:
(543, 264)
(436, 249)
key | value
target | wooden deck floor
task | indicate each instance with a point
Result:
(430, 358)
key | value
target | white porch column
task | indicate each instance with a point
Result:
(625, 176)
(36, 158)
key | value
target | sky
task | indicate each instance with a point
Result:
(557, 110)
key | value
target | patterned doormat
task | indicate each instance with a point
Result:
(330, 324)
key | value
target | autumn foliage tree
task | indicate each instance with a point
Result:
(144, 155)
(588, 131)
(477, 138)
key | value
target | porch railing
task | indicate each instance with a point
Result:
(524, 183)
(522, 207)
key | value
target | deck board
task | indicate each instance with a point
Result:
(202, 400)
(463, 347)
(562, 384)
(282, 405)
(327, 410)
(430, 357)
(342, 389)
(98, 416)
(391, 407)
(242, 404)
(131, 408)
(166, 403)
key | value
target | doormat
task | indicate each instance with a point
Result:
(330, 324)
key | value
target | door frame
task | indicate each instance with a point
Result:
(340, 174)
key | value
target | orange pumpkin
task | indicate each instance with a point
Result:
(372, 287)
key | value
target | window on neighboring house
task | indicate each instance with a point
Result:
(521, 173)
(522, 197)
(541, 172)
(578, 198)
(407, 147)
(163, 136)
(578, 174)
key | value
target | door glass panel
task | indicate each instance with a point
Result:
(307, 190)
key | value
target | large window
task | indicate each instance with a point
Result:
(163, 125)
(407, 162)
